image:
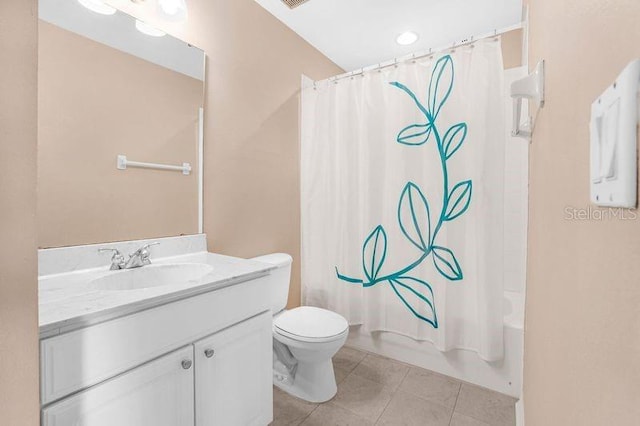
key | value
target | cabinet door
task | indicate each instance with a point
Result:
(159, 393)
(234, 375)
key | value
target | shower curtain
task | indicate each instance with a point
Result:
(402, 174)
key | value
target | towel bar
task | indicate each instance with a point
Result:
(123, 163)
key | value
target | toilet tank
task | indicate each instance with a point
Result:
(279, 278)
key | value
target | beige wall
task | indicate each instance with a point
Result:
(95, 102)
(582, 340)
(251, 124)
(512, 49)
(18, 283)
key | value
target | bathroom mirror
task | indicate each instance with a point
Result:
(109, 86)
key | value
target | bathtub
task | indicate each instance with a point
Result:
(504, 376)
(514, 310)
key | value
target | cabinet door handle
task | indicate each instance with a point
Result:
(186, 364)
(209, 353)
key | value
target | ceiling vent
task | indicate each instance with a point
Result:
(294, 3)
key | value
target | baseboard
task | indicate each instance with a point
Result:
(520, 412)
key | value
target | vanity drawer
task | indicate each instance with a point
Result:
(82, 358)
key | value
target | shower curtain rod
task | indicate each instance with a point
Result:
(419, 55)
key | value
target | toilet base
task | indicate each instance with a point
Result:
(314, 382)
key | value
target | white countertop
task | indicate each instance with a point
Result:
(67, 302)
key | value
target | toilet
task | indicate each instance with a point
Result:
(304, 339)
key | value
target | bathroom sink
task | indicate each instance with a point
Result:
(151, 276)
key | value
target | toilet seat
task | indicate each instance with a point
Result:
(311, 324)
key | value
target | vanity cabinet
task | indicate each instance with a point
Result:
(205, 360)
(234, 375)
(159, 393)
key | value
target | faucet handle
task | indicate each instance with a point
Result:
(143, 252)
(115, 252)
(117, 259)
(145, 247)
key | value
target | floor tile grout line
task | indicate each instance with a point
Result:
(356, 414)
(455, 405)
(483, 389)
(309, 415)
(431, 401)
(357, 364)
(404, 377)
(360, 362)
(379, 382)
(352, 412)
(351, 372)
(393, 394)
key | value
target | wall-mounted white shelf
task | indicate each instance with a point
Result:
(123, 164)
(530, 88)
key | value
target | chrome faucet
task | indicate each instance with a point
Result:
(136, 259)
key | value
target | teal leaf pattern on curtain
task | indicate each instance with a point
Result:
(374, 252)
(459, 200)
(414, 210)
(416, 134)
(416, 296)
(454, 138)
(446, 263)
(441, 85)
(414, 217)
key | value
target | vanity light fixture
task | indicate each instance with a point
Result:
(147, 29)
(407, 38)
(98, 6)
(173, 10)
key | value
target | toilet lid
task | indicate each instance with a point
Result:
(310, 322)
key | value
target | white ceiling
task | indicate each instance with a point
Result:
(359, 33)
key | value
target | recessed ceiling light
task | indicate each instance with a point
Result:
(98, 6)
(147, 29)
(407, 38)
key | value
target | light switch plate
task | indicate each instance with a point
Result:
(614, 133)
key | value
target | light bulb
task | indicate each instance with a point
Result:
(98, 6)
(173, 10)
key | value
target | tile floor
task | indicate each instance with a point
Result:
(373, 390)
